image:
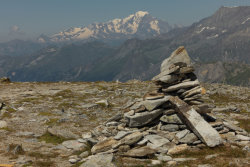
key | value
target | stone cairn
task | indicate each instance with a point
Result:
(166, 121)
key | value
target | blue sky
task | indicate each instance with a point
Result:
(27, 19)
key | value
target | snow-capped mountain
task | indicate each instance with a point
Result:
(141, 25)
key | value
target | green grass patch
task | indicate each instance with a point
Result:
(39, 155)
(49, 138)
(225, 156)
(244, 124)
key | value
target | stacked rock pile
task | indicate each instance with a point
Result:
(164, 122)
(177, 78)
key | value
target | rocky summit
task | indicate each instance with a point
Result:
(169, 121)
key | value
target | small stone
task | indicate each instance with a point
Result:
(73, 161)
(140, 152)
(112, 124)
(143, 118)
(155, 162)
(129, 139)
(124, 148)
(152, 104)
(171, 119)
(184, 159)
(157, 141)
(103, 146)
(242, 138)
(74, 145)
(189, 138)
(164, 158)
(172, 163)
(142, 142)
(87, 135)
(102, 103)
(153, 96)
(84, 154)
(99, 160)
(232, 127)
(170, 127)
(177, 149)
(122, 134)
(3, 124)
(182, 134)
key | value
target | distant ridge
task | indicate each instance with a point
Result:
(141, 25)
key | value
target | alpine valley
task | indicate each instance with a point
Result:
(130, 48)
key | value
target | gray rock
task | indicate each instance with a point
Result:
(99, 160)
(84, 154)
(58, 131)
(189, 92)
(163, 157)
(168, 78)
(188, 139)
(170, 127)
(179, 56)
(142, 142)
(171, 119)
(122, 134)
(73, 161)
(74, 145)
(154, 96)
(184, 159)
(113, 123)
(156, 140)
(140, 152)
(129, 139)
(242, 138)
(182, 134)
(196, 123)
(144, 118)
(232, 127)
(152, 104)
(103, 102)
(3, 124)
(181, 86)
(116, 117)
(103, 146)
(87, 135)
(155, 162)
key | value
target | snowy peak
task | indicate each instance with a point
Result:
(140, 24)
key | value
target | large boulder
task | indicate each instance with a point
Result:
(178, 57)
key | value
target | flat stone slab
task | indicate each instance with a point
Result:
(157, 140)
(104, 145)
(196, 123)
(143, 118)
(99, 160)
(181, 86)
(74, 145)
(152, 104)
(140, 152)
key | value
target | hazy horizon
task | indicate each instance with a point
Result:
(27, 19)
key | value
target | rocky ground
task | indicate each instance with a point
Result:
(41, 122)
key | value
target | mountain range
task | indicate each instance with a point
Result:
(218, 46)
(139, 25)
